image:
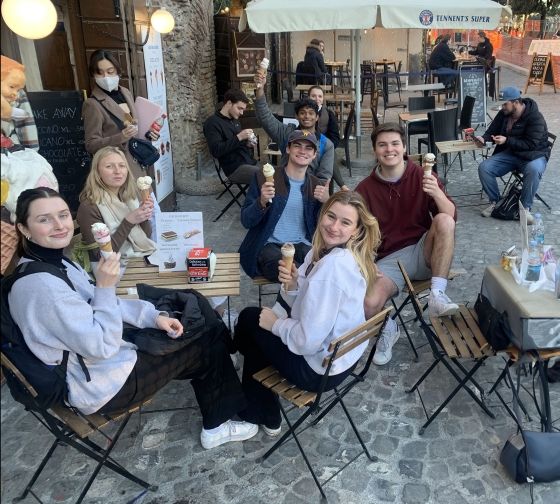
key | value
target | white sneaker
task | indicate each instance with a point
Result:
(530, 218)
(387, 339)
(271, 432)
(440, 305)
(228, 431)
(487, 212)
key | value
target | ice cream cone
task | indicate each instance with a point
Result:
(106, 247)
(263, 67)
(288, 251)
(145, 195)
(428, 163)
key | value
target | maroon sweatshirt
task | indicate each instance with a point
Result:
(404, 211)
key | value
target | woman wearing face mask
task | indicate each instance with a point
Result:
(108, 97)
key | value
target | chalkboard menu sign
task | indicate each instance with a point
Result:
(472, 82)
(58, 116)
(541, 72)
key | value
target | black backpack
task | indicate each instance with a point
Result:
(508, 207)
(48, 381)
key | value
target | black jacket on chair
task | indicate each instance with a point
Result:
(528, 138)
(221, 135)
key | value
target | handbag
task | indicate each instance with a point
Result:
(508, 207)
(529, 456)
(493, 324)
(141, 150)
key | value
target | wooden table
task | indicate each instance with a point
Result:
(225, 282)
(335, 68)
(454, 147)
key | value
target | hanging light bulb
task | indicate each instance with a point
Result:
(162, 21)
(31, 19)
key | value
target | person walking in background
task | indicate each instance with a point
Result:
(326, 296)
(521, 137)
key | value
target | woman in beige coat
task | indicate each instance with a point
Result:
(108, 97)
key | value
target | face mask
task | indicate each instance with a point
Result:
(108, 83)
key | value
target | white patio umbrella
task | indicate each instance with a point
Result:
(270, 16)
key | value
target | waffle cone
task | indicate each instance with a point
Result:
(270, 179)
(106, 247)
(145, 194)
(288, 261)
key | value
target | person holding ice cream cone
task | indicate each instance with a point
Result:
(110, 203)
(282, 206)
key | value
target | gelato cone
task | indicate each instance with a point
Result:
(268, 172)
(263, 67)
(102, 237)
(428, 163)
(288, 251)
(145, 187)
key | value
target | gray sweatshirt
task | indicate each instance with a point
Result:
(321, 167)
(53, 318)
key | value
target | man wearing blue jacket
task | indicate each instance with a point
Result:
(282, 211)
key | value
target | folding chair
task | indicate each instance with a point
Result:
(452, 339)
(271, 379)
(69, 427)
(516, 177)
(261, 283)
(228, 184)
(422, 289)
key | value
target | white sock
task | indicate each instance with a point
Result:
(439, 283)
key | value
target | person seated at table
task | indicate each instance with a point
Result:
(442, 61)
(326, 296)
(282, 211)
(520, 133)
(228, 142)
(327, 125)
(88, 323)
(484, 49)
(307, 114)
(417, 222)
(110, 196)
(314, 62)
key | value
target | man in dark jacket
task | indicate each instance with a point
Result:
(521, 137)
(484, 49)
(228, 143)
(442, 61)
(285, 210)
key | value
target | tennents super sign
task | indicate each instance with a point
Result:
(429, 18)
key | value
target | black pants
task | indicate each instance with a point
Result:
(206, 362)
(270, 255)
(261, 348)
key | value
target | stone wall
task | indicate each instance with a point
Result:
(191, 87)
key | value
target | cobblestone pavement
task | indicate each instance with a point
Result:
(454, 462)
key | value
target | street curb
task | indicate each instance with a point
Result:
(511, 66)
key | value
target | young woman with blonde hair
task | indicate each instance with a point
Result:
(110, 196)
(326, 297)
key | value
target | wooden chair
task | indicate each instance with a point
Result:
(298, 398)
(71, 428)
(228, 185)
(261, 283)
(451, 340)
(421, 289)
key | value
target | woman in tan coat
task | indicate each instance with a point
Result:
(108, 97)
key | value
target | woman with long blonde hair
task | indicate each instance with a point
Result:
(326, 299)
(110, 196)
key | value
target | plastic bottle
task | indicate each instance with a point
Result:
(534, 263)
(537, 233)
(156, 125)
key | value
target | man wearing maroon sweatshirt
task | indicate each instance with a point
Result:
(417, 222)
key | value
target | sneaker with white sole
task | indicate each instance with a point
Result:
(440, 305)
(387, 338)
(228, 431)
(271, 432)
(487, 212)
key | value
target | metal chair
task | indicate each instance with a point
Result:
(451, 340)
(71, 428)
(366, 83)
(516, 177)
(419, 127)
(347, 130)
(228, 185)
(316, 404)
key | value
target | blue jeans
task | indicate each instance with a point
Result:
(504, 163)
